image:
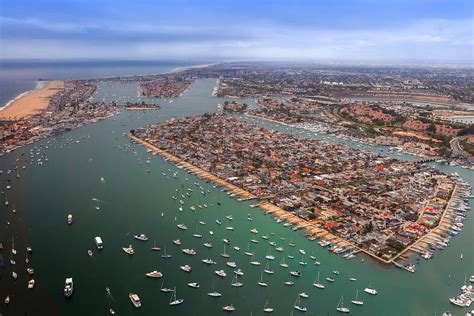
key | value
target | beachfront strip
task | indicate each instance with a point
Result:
(377, 204)
(68, 108)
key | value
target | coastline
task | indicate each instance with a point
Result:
(198, 66)
(31, 102)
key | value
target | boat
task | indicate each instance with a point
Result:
(283, 263)
(330, 279)
(352, 279)
(318, 284)
(7, 300)
(141, 237)
(194, 285)
(239, 272)
(304, 295)
(269, 255)
(98, 243)
(31, 283)
(30, 271)
(182, 226)
(135, 299)
(186, 268)
(295, 273)
(166, 255)
(165, 289)
(370, 290)
(175, 301)
(340, 306)
(225, 254)
(248, 252)
(128, 250)
(254, 262)
(14, 275)
(235, 282)
(231, 264)
(261, 283)
(220, 273)
(208, 261)
(289, 283)
(13, 246)
(208, 245)
(254, 231)
(229, 308)
(69, 219)
(68, 287)
(214, 293)
(356, 300)
(190, 252)
(177, 242)
(154, 274)
(298, 305)
(155, 248)
(266, 308)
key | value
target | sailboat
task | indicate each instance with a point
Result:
(267, 268)
(283, 263)
(155, 248)
(166, 255)
(214, 293)
(175, 301)
(298, 305)
(165, 289)
(248, 252)
(269, 255)
(356, 301)
(340, 306)
(254, 262)
(302, 262)
(97, 207)
(225, 254)
(261, 283)
(235, 282)
(318, 285)
(266, 308)
(13, 246)
(196, 234)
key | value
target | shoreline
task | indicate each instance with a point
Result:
(31, 102)
(266, 206)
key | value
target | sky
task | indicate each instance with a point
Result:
(420, 31)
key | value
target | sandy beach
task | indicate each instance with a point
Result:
(32, 102)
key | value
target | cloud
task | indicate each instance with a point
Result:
(427, 39)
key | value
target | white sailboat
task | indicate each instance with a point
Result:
(340, 306)
(283, 263)
(318, 284)
(298, 305)
(261, 283)
(165, 289)
(266, 308)
(235, 282)
(225, 254)
(13, 246)
(175, 301)
(356, 300)
(97, 207)
(214, 293)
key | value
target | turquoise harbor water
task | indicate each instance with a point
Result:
(133, 200)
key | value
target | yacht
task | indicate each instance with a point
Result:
(175, 301)
(289, 283)
(239, 272)
(254, 231)
(135, 299)
(154, 274)
(98, 243)
(304, 295)
(208, 261)
(31, 283)
(194, 285)
(229, 308)
(182, 226)
(185, 268)
(129, 250)
(177, 242)
(69, 219)
(68, 287)
(141, 237)
(296, 273)
(231, 264)
(208, 245)
(370, 290)
(190, 252)
(340, 306)
(356, 300)
(330, 279)
(220, 273)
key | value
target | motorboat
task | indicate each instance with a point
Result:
(177, 242)
(128, 250)
(31, 283)
(229, 308)
(154, 274)
(190, 252)
(220, 273)
(69, 219)
(231, 264)
(194, 285)
(141, 237)
(185, 268)
(370, 291)
(68, 287)
(135, 299)
(208, 261)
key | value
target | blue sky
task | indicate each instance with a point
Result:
(309, 30)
